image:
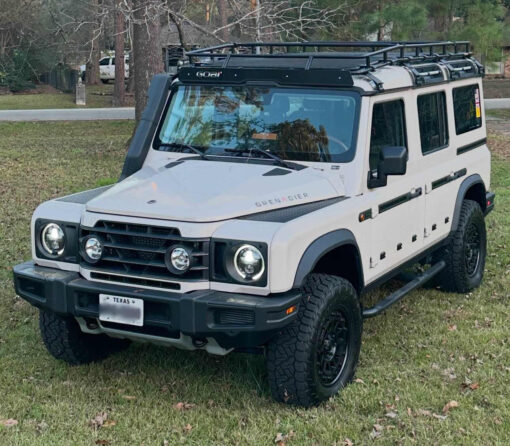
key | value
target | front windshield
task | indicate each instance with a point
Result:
(292, 123)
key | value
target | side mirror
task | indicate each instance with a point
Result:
(392, 161)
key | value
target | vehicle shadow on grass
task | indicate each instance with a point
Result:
(193, 376)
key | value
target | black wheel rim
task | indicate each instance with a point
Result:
(473, 243)
(332, 348)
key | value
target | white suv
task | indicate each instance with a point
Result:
(267, 188)
(107, 68)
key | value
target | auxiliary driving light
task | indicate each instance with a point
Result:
(93, 249)
(178, 259)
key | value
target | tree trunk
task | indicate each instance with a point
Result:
(92, 68)
(380, 28)
(119, 90)
(146, 49)
(223, 13)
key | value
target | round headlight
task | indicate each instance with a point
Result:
(180, 259)
(53, 239)
(249, 262)
(93, 248)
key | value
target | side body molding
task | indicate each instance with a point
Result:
(141, 142)
(322, 246)
(464, 187)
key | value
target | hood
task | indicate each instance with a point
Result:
(207, 191)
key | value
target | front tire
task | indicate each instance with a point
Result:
(465, 253)
(316, 356)
(65, 341)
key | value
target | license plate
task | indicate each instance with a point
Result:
(121, 310)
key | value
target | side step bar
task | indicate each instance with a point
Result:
(393, 298)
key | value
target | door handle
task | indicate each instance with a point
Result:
(415, 193)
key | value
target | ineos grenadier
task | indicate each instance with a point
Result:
(269, 186)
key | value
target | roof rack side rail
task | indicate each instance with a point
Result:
(376, 54)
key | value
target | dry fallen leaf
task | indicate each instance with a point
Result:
(348, 442)
(129, 397)
(452, 327)
(281, 438)
(41, 427)
(359, 381)
(98, 420)
(184, 406)
(376, 432)
(450, 405)
(109, 423)
(187, 428)
(391, 414)
(102, 442)
(474, 386)
(9, 423)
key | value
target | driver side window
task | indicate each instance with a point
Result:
(388, 129)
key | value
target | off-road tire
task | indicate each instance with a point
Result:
(456, 276)
(292, 367)
(65, 341)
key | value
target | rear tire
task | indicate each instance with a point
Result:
(316, 356)
(65, 341)
(465, 252)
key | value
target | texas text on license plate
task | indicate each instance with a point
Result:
(121, 310)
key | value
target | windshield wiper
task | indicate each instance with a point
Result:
(180, 145)
(271, 155)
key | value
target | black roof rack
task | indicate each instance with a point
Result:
(370, 55)
(420, 58)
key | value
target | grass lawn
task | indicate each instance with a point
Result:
(501, 113)
(431, 349)
(99, 96)
(496, 88)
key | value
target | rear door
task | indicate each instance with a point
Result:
(442, 178)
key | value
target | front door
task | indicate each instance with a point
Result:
(397, 208)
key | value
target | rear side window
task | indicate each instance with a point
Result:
(105, 61)
(468, 111)
(433, 121)
(388, 129)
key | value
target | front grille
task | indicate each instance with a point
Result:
(139, 251)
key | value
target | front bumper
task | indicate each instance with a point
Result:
(232, 320)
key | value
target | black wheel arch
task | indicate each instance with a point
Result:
(332, 244)
(472, 188)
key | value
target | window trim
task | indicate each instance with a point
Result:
(476, 85)
(400, 99)
(446, 123)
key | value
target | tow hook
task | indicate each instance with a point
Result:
(199, 343)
